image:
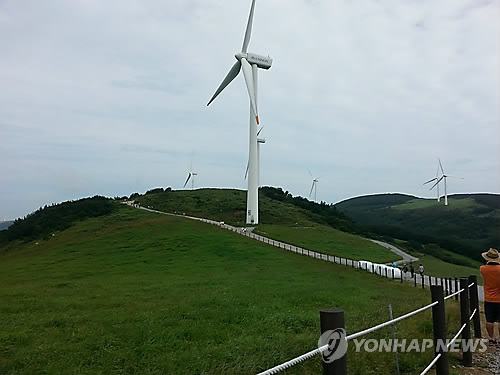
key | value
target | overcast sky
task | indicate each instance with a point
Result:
(109, 97)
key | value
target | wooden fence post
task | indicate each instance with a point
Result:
(474, 304)
(439, 328)
(457, 288)
(331, 320)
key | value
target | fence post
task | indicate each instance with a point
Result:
(457, 288)
(439, 328)
(333, 319)
(474, 304)
(464, 319)
(401, 276)
(392, 270)
(423, 281)
(415, 279)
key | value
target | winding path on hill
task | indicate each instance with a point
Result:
(295, 249)
(406, 257)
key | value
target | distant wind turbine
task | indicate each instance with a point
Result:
(249, 63)
(191, 175)
(315, 181)
(444, 177)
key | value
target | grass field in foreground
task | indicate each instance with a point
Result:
(140, 293)
(329, 241)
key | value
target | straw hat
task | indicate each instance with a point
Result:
(491, 255)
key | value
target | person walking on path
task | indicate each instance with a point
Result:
(491, 276)
(421, 270)
(412, 270)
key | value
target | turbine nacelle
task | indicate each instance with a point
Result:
(263, 62)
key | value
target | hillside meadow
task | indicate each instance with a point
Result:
(135, 292)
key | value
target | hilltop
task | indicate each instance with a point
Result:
(275, 206)
(467, 226)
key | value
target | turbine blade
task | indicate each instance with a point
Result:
(229, 77)
(310, 174)
(248, 31)
(247, 72)
(262, 127)
(312, 187)
(461, 178)
(437, 182)
(246, 172)
(433, 179)
(441, 166)
(189, 176)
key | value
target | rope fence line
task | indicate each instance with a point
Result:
(385, 324)
(456, 336)
(431, 365)
(454, 294)
(464, 301)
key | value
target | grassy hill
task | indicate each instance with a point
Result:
(468, 225)
(282, 217)
(135, 292)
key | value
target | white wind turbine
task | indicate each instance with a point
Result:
(435, 179)
(444, 177)
(249, 63)
(314, 185)
(191, 175)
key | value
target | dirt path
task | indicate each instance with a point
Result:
(486, 363)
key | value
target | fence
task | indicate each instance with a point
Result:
(469, 311)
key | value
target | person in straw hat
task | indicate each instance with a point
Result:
(491, 276)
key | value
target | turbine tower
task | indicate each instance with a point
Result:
(313, 186)
(249, 63)
(259, 142)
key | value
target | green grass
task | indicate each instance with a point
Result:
(228, 205)
(468, 204)
(279, 220)
(139, 293)
(329, 241)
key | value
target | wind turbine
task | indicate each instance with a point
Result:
(191, 175)
(444, 177)
(435, 179)
(249, 63)
(314, 185)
